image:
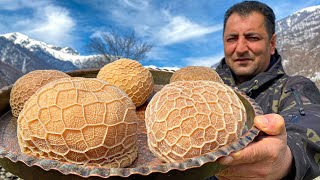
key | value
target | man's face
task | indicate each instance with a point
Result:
(247, 46)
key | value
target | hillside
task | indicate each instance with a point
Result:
(298, 41)
(8, 74)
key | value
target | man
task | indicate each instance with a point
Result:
(290, 146)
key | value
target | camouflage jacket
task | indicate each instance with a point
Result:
(297, 99)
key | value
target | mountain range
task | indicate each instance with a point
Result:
(298, 41)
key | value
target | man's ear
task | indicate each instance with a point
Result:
(273, 44)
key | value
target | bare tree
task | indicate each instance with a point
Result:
(115, 45)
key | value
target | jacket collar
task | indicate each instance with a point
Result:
(274, 71)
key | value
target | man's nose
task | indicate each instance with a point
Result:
(242, 46)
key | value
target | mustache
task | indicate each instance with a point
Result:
(242, 57)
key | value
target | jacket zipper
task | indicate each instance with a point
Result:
(249, 91)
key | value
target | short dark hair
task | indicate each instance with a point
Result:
(247, 7)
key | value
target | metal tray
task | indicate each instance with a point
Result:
(146, 166)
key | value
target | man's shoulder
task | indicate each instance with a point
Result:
(305, 86)
(298, 79)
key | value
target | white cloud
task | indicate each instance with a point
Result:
(203, 61)
(96, 34)
(181, 29)
(53, 25)
(140, 16)
(44, 21)
(158, 24)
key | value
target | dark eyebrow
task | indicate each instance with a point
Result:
(246, 34)
(232, 35)
(252, 33)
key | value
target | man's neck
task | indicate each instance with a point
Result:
(240, 80)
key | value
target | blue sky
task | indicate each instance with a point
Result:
(183, 32)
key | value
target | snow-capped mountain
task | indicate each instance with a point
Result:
(22, 54)
(298, 41)
(295, 18)
(21, 58)
(26, 54)
(51, 52)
